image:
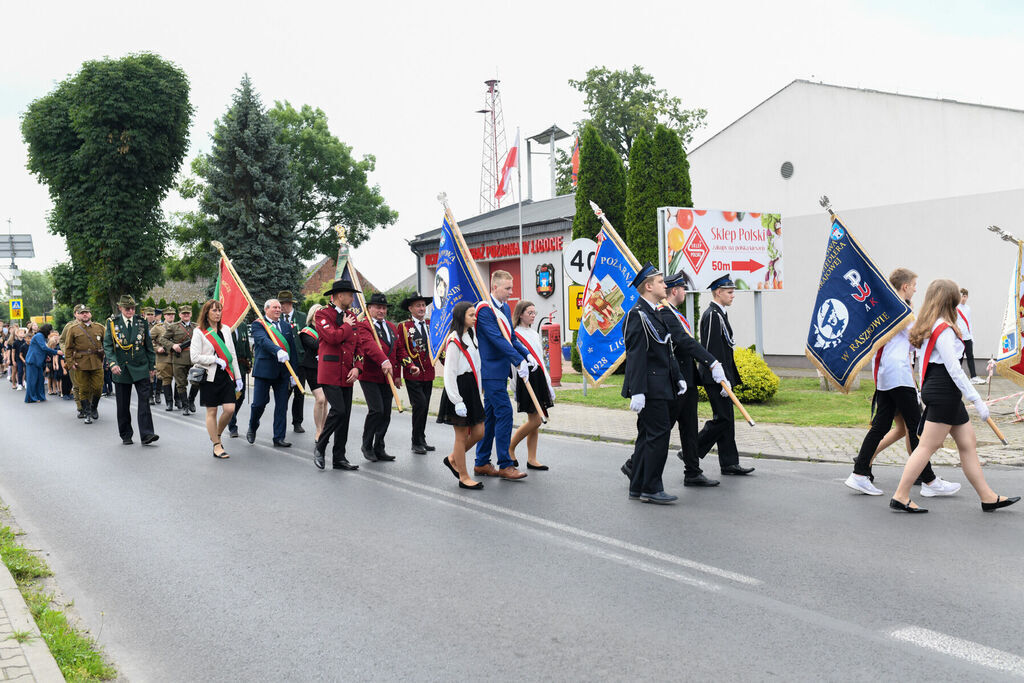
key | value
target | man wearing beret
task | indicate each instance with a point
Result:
(129, 351)
(419, 372)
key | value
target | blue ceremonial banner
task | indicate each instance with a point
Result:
(453, 282)
(855, 313)
(606, 300)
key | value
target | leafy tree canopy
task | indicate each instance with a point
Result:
(659, 175)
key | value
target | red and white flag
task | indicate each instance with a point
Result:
(511, 161)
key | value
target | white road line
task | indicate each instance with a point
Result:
(961, 649)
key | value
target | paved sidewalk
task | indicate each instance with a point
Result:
(28, 661)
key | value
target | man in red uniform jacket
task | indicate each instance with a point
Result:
(382, 353)
(419, 373)
(339, 365)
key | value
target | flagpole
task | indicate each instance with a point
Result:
(484, 291)
(522, 266)
(248, 297)
(362, 303)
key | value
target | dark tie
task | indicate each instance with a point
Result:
(381, 332)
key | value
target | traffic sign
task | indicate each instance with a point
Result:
(578, 259)
(17, 309)
(575, 306)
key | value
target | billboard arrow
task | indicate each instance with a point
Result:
(747, 266)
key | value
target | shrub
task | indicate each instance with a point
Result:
(759, 382)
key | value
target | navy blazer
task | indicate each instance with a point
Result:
(265, 363)
(651, 368)
(497, 354)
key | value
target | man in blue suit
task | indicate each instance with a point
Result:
(270, 353)
(497, 356)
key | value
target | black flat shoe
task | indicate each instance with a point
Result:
(479, 486)
(451, 468)
(737, 470)
(127, 442)
(344, 465)
(428, 447)
(627, 470)
(542, 468)
(223, 454)
(700, 480)
(318, 458)
(1001, 502)
(896, 505)
(149, 438)
(298, 429)
(418, 449)
(250, 436)
(281, 443)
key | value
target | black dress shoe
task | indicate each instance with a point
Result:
(344, 465)
(451, 468)
(428, 447)
(627, 469)
(169, 408)
(95, 414)
(81, 414)
(149, 438)
(699, 480)
(318, 458)
(736, 469)
(192, 406)
(1001, 502)
(418, 449)
(383, 456)
(127, 442)
(369, 455)
(476, 487)
(250, 436)
(88, 419)
(542, 468)
(233, 433)
(298, 429)
(896, 505)
(281, 443)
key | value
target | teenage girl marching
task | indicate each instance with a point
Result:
(522, 320)
(461, 405)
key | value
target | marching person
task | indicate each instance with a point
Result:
(164, 367)
(295, 317)
(309, 340)
(243, 354)
(63, 345)
(150, 314)
(83, 351)
(419, 372)
(129, 352)
(461, 406)
(273, 346)
(339, 366)
(943, 388)
(651, 384)
(522, 321)
(964, 323)
(156, 329)
(379, 362)
(895, 394)
(497, 353)
(213, 350)
(716, 337)
(35, 361)
(178, 338)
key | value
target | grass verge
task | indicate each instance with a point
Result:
(77, 655)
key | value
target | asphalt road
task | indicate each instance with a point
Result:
(263, 568)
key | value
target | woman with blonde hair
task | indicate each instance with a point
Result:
(523, 317)
(943, 388)
(310, 339)
(214, 351)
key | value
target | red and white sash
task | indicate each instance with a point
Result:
(469, 358)
(931, 347)
(878, 361)
(682, 319)
(499, 315)
(964, 318)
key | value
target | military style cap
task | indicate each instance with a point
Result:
(678, 280)
(724, 281)
(126, 301)
(169, 310)
(285, 296)
(184, 309)
(647, 271)
(82, 308)
(148, 310)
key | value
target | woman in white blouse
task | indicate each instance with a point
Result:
(461, 405)
(522, 319)
(943, 388)
(214, 351)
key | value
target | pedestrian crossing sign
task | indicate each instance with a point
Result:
(16, 309)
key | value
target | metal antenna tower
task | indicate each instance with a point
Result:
(495, 147)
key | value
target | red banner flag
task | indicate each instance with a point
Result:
(576, 162)
(229, 294)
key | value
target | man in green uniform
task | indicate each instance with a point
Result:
(150, 313)
(83, 354)
(164, 372)
(129, 351)
(177, 338)
(63, 345)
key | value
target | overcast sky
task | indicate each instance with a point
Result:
(402, 80)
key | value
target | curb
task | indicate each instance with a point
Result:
(42, 666)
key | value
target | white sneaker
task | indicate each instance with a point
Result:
(939, 487)
(978, 380)
(862, 484)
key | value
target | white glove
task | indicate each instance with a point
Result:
(531, 363)
(718, 372)
(682, 387)
(460, 409)
(238, 385)
(552, 390)
(291, 382)
(524, 370)
(637, 403)
(221, 362)
(982, 409)
(723, 392)
(282, 356)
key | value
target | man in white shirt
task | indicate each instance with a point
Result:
(964, 324)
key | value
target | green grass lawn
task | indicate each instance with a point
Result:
(799, 401)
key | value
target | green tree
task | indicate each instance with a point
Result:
(250, 197)
(333, 186)
(622, 103)
(37, 291)
(108, 142)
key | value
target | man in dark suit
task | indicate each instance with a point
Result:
(382, 354)
(296, 319)
(419, 372)
(716, 336)
(243, 352)
(273, 346)
(337, 370)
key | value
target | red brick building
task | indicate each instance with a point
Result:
(320, 275)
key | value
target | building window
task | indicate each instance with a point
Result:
(786, 170)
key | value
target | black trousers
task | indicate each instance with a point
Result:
(902, 400)
(720, 429)
(336, 423)
(378, 415)
(653, 428)
(419, 399)
(686, 416)
(969, 355)
(239, 400)
(123, 396)
(299, 394)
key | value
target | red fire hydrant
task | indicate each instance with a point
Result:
(551, 337)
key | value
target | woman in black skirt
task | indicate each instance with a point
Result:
(310, 339)
(461, 405)
(943, 388)
(522, 320)
(214, 351)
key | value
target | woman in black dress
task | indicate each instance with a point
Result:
(522, 320)
(461, 405)
(214, 351)
(310, 339)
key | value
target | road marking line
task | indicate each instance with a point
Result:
(961, 649)
(581, 533)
